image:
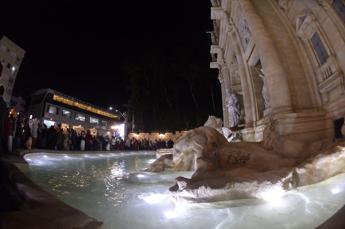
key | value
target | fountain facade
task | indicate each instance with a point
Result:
(281, 65)
(284, 60)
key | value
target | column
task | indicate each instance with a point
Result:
(277, 82)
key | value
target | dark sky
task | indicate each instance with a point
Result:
(80, 47)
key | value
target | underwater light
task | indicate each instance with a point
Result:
(152, 198)
(178, 211)
(335, 190)
(151, 161)
(140, 175)
(170, 214)
(273, 196)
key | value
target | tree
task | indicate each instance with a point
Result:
(171, 90)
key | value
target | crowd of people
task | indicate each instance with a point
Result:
(19, 132)
(24, 133)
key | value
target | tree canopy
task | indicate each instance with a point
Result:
(172, 90)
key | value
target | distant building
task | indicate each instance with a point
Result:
(54, 108)
(11, 56)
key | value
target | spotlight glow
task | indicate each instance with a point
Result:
(273, 196)
(178, 211)
(335, 190)
(170, 214)
(152, 198)
(140, 176)
(151, 161)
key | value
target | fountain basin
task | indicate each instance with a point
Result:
(111, 188)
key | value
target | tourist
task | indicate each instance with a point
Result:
(73, 139)
(60, 138)
(27, 139)
(66, 140)
(18, 133)
(51, 138)
(170, 144)
(33, 123)
(88, 141)
(9, 132)
(3, 115)
(82, 140)
(127, 144)
(42, 136)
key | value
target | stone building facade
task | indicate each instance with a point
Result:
(11, 57)
(283, 62)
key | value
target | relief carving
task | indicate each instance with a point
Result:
(245, 33)
(284, 4)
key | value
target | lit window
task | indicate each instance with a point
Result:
(94, 120)
(49, 123)
(319, 48)
(66, 113)
(339, 7)
(80, 117)
(53, 110)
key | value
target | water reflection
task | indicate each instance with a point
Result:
(101, 186)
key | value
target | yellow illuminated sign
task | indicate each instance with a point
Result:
(82, 106)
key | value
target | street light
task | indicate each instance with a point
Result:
(110, 108)
(124, 123)
(122, 115)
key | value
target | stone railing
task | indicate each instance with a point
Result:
(327, 69)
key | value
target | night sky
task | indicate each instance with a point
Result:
(80, 47)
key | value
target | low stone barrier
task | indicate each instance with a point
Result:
(25, 205)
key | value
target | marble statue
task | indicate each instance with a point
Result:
(228, 171)
(264, 90)
(215, 123)
(234, 108)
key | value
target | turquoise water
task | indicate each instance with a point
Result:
(111, 188)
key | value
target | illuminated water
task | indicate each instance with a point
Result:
(99, 185)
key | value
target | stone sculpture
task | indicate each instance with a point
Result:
(227, 171)
(214, 122)
(188, 148)
(264, 90)
(234, 108)
(284, 4)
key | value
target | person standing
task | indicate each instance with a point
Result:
(42, 136)
(9, 132)
(82, 139)
(88, 141)
(34, 131)
(60, 138)
(27, 138)
(3, 115)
